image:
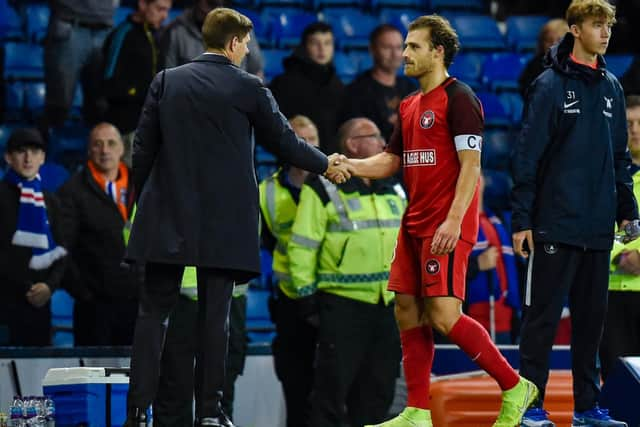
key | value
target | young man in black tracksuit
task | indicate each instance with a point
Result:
(572, 185)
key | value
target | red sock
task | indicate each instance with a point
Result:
(417, 358)
(474, 340)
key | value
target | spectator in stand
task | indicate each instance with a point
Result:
(131, 61)
(72, 53)
(97, 203)
(622, 326)
(550, 34)
(182, 39)
(32, 263)
(493, 272)
(376, 93)
(310, 85)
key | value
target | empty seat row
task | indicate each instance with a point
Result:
(26, 100)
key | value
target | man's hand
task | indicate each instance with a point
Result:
(518, 240)
(446, 237)
(630, 262)
(338, 169)
(39, 294)
(488, 259)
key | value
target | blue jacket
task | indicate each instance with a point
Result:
(478, 286)
(570, 164)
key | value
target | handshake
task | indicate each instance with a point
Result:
(340, 169)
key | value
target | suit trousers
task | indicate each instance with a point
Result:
(556, 272)
(159, 296)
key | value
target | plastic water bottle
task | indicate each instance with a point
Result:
(15, 412)
(30, 411)
(49, 412)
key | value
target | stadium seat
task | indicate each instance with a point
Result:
(37, 21)
(351, 27)
(62, 319)
(514, 105)
(53, 176)
(14, 101)
(417, 4)
(497, 190)
(300, 4)
(287, 28)
(400, 18)
(34, 97)
(173, 14)
(364, 60)
(322, 4)
(457, 5)
(346, 66)
(23, 61)
(273, 62)
(121, 14)
(266, 163)
(261, 27)
(468, 68)
(5, 133)
(495, 114)
(477, 32)
(502, 70)
(522, 31)
(496, 150)
(259, 325)
(68, 145)
(618, 64)
(11, 23)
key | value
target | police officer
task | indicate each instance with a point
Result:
(340, 250)
(295, 342)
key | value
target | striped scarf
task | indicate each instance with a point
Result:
(33, 228)
(116, 190)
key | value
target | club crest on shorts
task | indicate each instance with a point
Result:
(550, 248)
(432, 266)
(427, 119)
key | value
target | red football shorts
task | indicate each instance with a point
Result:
(416, 271)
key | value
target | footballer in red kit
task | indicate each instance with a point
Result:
(437, 141)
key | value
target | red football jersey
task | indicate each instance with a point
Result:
(431, 128)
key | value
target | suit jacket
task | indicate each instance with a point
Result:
(193, 165)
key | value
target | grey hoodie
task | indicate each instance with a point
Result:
(182, 42)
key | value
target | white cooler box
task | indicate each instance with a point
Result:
(88, 397)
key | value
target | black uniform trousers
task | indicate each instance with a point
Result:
(294, 350)
(621, 330)
(556, 271)
(159, 296)
(173, 405)
(358, 363)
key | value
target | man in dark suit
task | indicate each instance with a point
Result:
(198, 202)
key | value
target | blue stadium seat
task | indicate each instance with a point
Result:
(502, 70)
(37, 21)
(496, 150)
(14, 101)
(23, 61)
(468, 68)
(477, 32)
(273, 62)
(322, 4)
(497, 190)
(34, 97)
(62, 318)
(351, 27)
(259, 325)
(457, 5)
(5, 133)
(417, 4)
(266, 163)
(261, 26)
(11, 23)
(287, 28)
(53, 176)
(301, 4)
(346, 66)
(364, 60)
(514, 105)
(522, 31)
(68, 145)
(618, 64)
(495, 114)
(400, 18)
(121, 14)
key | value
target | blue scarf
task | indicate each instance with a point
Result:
(33, 229)
(478, 288)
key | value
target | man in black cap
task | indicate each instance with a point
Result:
(32, 263)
